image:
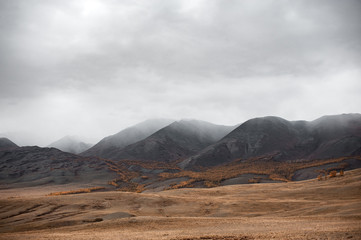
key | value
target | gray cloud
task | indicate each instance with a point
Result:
(93, 67)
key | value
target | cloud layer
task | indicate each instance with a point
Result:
(92, 67)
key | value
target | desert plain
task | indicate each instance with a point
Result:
(311, 209)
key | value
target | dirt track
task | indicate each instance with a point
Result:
(299, 210)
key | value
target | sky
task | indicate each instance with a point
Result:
(94, 67)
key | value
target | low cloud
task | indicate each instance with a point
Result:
(93, 67)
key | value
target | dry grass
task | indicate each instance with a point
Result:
(125, 175)
(277, 171)
(215, 237)
(293, 210)
(183, 184)
(83, 190)
(333, 173)
(212, 177)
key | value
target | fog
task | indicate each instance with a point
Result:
(92, 68)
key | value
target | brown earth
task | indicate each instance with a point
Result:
(328, 209)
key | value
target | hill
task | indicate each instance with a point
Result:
(35, 166)
(173, 142)
(126, 137)
(70, 144)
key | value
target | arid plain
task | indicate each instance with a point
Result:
(312, 209)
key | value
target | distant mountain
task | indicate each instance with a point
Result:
(326, 137)
(176, 141)
(34, 166)
(126, 137)
(70, 144)
(6, 143)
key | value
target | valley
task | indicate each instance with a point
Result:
(308, 209)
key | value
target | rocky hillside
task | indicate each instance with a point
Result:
(34, 166)
(326, 137)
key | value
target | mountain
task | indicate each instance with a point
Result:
(33, 166)
(326, 137)
(176, 141)
(191, 153)
(70, 144)
(6, 143)
(337, 135)
(126, 137)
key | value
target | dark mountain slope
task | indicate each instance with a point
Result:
(126, 137)
(70, 144)
(327, 137)
(33, 166)
(338, 135)
(176, 141)
(6, 143)
(334, 126)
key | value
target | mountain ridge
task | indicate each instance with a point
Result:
(173, 142)
(285, 139)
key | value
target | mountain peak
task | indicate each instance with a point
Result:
(71, 144)
(6, 143)
(127, 136)
(178, 140)
(342, 119)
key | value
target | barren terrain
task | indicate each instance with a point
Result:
(312, 209)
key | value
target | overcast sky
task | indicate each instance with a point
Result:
(93, 67)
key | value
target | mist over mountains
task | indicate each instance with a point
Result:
(163, 153)
(204, 144)
(326, 137)
(71, 144)
(173, 142)
(126, 137)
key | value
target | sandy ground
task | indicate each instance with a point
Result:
(310, 209)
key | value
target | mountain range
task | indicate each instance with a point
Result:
(163, 153)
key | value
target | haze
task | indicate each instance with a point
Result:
(91, 68)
